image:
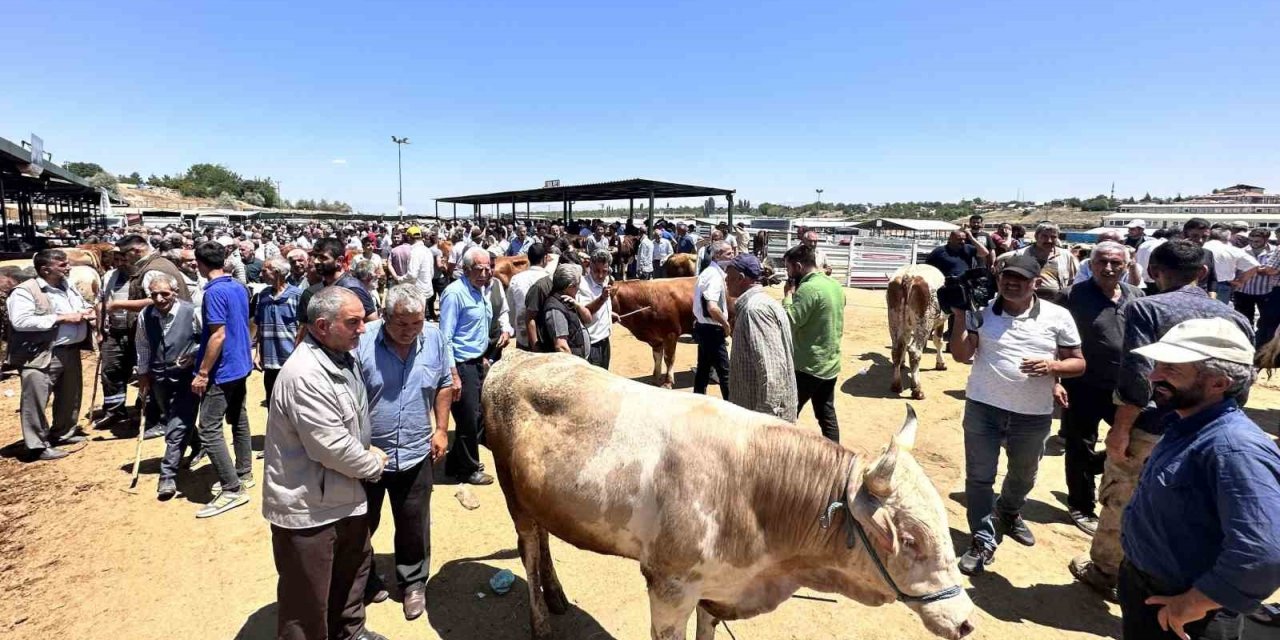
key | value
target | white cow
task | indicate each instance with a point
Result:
(914, 317)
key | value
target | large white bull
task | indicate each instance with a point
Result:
(914, 317)
(723, 507)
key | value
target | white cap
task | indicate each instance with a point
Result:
(1201, 339)
(225, 241)
(1239, 223)
(1139, 223)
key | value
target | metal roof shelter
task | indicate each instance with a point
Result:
(628, 190)
(56, 196)
(907, 227)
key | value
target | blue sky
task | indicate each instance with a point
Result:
(871, 101)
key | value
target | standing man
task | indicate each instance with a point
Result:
(465, 317)
(167, 337)
(328, 260)
(317, 454)
(662, 250)
(1142, 258)
(1202, 532)
(1019, 347)
(819, 256)
(1232, 266)
(711, 321)
(1177, 266)
(518, 292)
(1250, 298)
(594, 294)
(49, 325)
(405, 366)
(422, 266)
(1269, 309)
(562, 325)
(978, 233)
(1137, 234)
(761, 366)
(252, 263)
(520, 243)
(275, 312)
(960, 254)
(299, 267)
(1097, 306)
(815, 306)
(644, 257)
(1057, 266)
(224, 362)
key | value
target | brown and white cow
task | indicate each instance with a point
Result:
(914, 317)
(720, 505)
(505, 267)
(681, 265)
(657, 313)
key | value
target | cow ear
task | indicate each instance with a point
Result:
(905, 439)
(878, 524)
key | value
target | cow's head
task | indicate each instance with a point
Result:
(903, 516)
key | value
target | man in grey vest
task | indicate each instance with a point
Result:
(167, 337)
(49, 326)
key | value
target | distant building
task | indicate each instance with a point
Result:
(1241, 202)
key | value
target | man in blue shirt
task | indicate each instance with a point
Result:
(275, 312)
(1202, 531)
(465, 314)
(223, 365)
(405, 365)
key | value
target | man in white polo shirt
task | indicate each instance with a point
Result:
(1232, 266)
(1020, 346)
(711, 321)
(594, 293)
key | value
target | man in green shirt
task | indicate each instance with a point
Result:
(815, 305)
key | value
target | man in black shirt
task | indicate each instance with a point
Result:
(328, 258)
(959, 254)
(1097, 305)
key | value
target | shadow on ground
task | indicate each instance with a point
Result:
(456, 612)
(1033, 511)
(872, 379)
(992, 593)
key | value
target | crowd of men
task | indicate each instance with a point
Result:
(371, 339)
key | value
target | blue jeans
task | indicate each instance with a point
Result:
(986, 428)
(1223, 291)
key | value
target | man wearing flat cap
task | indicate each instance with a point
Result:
(761, 361)
(1202, 531)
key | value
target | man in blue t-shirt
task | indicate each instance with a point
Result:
(223, 365)
(959, 254)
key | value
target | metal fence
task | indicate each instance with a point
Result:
(866, 262)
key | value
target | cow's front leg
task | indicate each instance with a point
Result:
(669, 353)
(671, 601)
(938, 330)
(658, 379)
(706, 629)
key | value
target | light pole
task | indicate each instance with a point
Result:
(400, 142)
(819, 201)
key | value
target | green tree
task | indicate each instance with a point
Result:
(210, 180)
(226, 201)
(103, 180)
(254, 198)
(84, 169)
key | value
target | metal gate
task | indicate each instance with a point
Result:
(872, 260)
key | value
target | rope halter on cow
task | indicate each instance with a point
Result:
(856, 532)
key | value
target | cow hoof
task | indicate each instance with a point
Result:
(557, 603)
(667, 384)
(942, 366)
(917, 394)
(895, 387)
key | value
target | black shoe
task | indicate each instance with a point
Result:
(375, 591)
(196, 460)
(72, 438)
(366, 634)
(976, 559)
(167, 490)
(1086, 522)
(153, 433)
(1015, 527)
(50, 453)
(479, 477)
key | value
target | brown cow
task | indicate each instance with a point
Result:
(668, 316)
(681, 265)
(914, 317)
(728, 511)
(504, 267)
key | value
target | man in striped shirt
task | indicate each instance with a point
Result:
(1248, 299)
(275, 312)
(1268, 284)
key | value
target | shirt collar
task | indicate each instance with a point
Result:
(331, 361)
(382, 338)
(44, 284)
(1032, 312)
(1178, 425)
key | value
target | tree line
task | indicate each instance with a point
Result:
(205, 180)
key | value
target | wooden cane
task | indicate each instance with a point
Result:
(137, 454)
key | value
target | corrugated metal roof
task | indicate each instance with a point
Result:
(908, 224)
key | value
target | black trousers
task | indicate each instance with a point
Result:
(1249, 305)
(269, 382)
(118, 359)
(712, 352)
(1088, 405)
(464, 456)
(823, 394)
(176, 406)
(1268, 318)
(410, 494)
(1141, 621)
(600, 355)
(323, 570)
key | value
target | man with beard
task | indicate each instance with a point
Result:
(1202, 532)
(1177, 266)
(328, 259)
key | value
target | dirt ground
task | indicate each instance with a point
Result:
(81, 558)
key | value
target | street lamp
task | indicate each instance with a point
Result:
(400, 142)
(819, 200)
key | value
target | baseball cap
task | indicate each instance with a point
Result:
(1025, 266)
(1139, 223)
(747, 265)
(1201, 339)
(415, 231)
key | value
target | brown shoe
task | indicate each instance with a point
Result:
(1088, 573)
(415, 602)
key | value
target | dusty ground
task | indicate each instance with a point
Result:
(81, 558)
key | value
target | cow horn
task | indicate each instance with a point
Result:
(905, 439)
(879, 477)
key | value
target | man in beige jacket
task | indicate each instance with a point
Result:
(317, 452)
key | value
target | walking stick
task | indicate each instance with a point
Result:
(97, 371)
(137, 455)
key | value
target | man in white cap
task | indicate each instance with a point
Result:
(1137, 233)
(1202, 531)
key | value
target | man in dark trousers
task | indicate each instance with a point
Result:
(466, 314)
(167, 336)
(1202, 532)
(1097, 305)
(711, 320)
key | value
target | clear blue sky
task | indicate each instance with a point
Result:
(871, 101)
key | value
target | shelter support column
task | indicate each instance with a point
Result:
(729, 198)
(631, 212)
(649, 227)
